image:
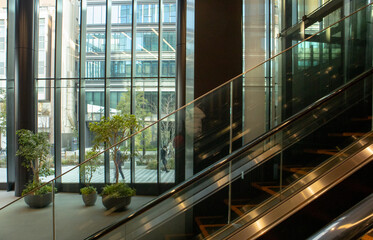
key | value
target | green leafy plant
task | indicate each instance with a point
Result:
(88, 190)
(111, 130)
(87, 170)
(43, 190)
(34, 148)
(118, 190)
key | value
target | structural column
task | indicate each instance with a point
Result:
(25, 85)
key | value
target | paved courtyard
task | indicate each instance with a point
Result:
(142, 175)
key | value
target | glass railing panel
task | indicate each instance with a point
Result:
(315, 143)
(207, 125)
(258, 179)
(20, 221)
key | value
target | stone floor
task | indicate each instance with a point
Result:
(72, 219)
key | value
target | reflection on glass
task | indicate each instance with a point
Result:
(167, 127)
(95, 43)
(70, 39)
(69, 129)
(94, 112)
(146, 52)
(3, 63)
(46, 39)
(46, 116)
(146, 102)
(3, 145)
(121, 39)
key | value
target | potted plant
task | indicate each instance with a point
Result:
(89, 193)
(34, 148)
(111, 130)
(117, 196)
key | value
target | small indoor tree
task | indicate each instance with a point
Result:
(111, 130)
(34, 148)
(89, 193)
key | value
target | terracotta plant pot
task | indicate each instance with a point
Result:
(89, 199)
(38, 201)
(116, 204)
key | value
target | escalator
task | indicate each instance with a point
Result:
(327, 146)
(261, 185)
(324, 146)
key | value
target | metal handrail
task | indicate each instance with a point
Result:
(352, 224)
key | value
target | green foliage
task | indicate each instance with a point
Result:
(43, 190)
(34, 148)
(90, 167)
(88, 190)
(2, 111)
(118, 190)
(111, 130)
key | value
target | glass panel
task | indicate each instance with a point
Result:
(69, 129)
(207, 124)
(18, 214)
(121, 38)
(146, 109)
(46, 117)
(95, 45)
(167, 128)
(146, 52)
(168, 40)
(3, 75)
(46, 39)
(120, 103)
(3, 38)
(94, 112)
(70, 39)
(3, 142)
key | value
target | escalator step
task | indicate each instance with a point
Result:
(330, 152)
(347, 134)
(298, 170)
(267, 187)
(209, 224)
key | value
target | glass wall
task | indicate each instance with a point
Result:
(3, 63)
(97, 60)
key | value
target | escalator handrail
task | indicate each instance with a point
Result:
(235, 155)
(352, 224)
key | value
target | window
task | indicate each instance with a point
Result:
(146, 41)
(96, 42)
(95, 69)
(96, 14)
(121, 68)
(147, 13)
(2, 35)
(169, 13)
(121, 42)
(169, 41)
(146, 68)
(2, 69)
